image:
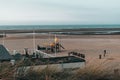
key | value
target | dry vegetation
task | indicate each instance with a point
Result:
(91, 72)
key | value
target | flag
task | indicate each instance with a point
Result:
(56, 40)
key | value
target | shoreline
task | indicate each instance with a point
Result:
(82, 31)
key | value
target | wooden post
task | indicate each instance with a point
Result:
(105, 53)
(46, 77)
(116, 74)
(100, 56)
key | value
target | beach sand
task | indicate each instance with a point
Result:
(90, 45)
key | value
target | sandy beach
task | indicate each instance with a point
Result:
(90, 45)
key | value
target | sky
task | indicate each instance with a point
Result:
(37, 12)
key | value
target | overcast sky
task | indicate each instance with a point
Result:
(59, 12)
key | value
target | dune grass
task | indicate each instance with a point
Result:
(101, 71)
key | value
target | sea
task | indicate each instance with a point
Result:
(81, 29)
(30, 27)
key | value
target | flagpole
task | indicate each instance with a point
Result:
(34, 40)
(3, 39)
(55, 45)
(49, 37)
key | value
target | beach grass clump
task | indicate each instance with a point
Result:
(92, 73)
(6, 71)
(44, 74)
(97, 71)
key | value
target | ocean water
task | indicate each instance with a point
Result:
(29, 27)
